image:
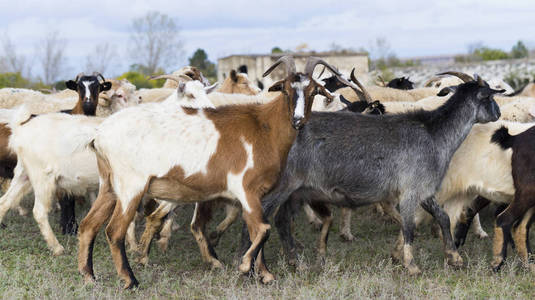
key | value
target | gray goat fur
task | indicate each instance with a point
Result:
(351, 160)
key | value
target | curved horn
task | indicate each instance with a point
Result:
(78, 76)
(176, 78)
(321, 73)
(382, 80)
(288, 62)
(430, 82)
(313, 61)
(479, 80)
(463, 76)
(367, 95)
(47, 91)
(99, 75)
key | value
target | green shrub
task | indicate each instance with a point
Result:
(141, 81)
(14, 80)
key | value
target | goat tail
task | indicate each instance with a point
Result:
(503, 138)
(17, 117)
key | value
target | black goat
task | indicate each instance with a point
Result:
(519, 214)
(401, 83)
(351, 160)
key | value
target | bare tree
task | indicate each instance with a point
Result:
(380, 49)
(155, 41)
(101, 58)
(50, 53)
(10, 61)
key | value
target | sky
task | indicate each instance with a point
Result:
(221, 28)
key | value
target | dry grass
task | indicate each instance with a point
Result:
(360, 269)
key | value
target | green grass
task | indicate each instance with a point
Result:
(360, 269)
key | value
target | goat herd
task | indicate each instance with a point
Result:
(440, 150)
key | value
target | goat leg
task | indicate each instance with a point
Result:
(452, 256)
(467, 216)
(502, 238)
(68, 218)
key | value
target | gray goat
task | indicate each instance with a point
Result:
(351, 160)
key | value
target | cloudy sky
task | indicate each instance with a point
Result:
(412, 28)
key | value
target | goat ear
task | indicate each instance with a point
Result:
(105, 86)
(277, 86)
(71, 85)
(449, 89)
(260, 84)
(233, 76)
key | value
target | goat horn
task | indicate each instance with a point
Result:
(99, 75)
(430, 82)
(47, 91)
(177, 78)
(287, 60)
(313, 61)
(322, 71)
(479, 80)
(463, 76)
(382, 80)
(367, 95)
(78, 76)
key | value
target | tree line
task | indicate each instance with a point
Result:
(154, 43)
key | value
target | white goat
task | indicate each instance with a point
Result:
(50, 158)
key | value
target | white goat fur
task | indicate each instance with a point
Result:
(386, 94)
(478, 167)
(52, 157)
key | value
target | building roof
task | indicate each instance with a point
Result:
(300, 54)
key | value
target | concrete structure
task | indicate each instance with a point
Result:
(257, 64)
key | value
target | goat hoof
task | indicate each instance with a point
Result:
(396, 256)
(163, 244)
(58, 251)
(89, 279)
(216, 264)
(482, 235)
(22, 211)
(244, 267)
(130, 285)
(413, 269)
(348, 237)
(142, 260)
(3, 226)
(267, 278)
(497, 265)
(454, 259)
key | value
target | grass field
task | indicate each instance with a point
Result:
(362, 268)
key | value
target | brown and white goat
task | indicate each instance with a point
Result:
(238, 83)
(236, 151)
